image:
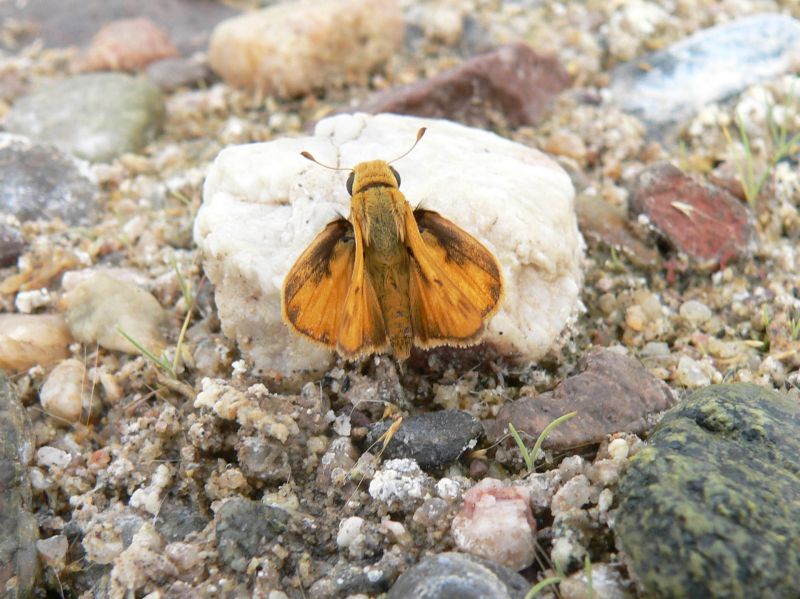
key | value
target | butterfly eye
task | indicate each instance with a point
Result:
(396, 175)
(350, 180)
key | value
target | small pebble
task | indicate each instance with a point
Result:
(695, 312)
(496, 522)
(52, 457)
(573, 495)
(65, 394)
(99, 308)
(349, 529)
(691, 374)
(30, 339)
(128, 45)
(433, 439)
(618, 449)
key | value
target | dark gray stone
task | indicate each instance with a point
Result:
(666, 88)
(711, 506)
(41, 182)
(19, 561)
(458, 576)
(433, 440)
(97, 116)
(244, 530)
(176, 520)
(11, 241)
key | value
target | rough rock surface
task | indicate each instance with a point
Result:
(612, 393)
(18, 529)
(39, 181)
(709, 507)
(264, 203)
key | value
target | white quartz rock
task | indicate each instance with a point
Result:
(264, 203)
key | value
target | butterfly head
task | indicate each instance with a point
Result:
(374, 173)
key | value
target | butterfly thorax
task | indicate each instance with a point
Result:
(378, 208)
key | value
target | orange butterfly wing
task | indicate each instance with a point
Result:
(455, 283)
(327, 297)
(315, 288)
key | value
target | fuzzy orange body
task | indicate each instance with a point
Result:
(390, 276)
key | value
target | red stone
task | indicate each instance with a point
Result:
(510, 86)
(705, 222)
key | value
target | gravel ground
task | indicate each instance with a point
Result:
(195, 476)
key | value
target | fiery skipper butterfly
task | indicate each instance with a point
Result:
(390, 276)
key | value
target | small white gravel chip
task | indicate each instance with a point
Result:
(48, 457)
(349, 529)
(618, 449)
(690, 373)
(695, 312)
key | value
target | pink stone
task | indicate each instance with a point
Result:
(496, 523)
(128, 45)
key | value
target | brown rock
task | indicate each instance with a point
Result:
(613, 393)
(293, 48)
(602, 223)
(512, 86)
(128, 45)
(705, 222)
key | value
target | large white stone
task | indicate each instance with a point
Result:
(264, 203)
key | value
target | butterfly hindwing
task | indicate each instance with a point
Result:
(455, 282)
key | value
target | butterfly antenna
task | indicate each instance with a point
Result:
(308, 156)
(420, 133)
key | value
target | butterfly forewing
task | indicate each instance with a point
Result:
(315, 288)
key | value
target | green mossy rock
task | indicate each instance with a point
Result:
(711, 508)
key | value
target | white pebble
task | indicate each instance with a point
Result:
(691, 374)
(695, 312)
(618, 449)
(349, 530)
(48, 457)
(575, 493)
(63, 393)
